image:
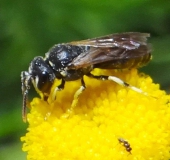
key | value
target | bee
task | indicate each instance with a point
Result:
(71, 61)
(125, 144)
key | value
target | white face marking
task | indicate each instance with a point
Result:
(35, 81)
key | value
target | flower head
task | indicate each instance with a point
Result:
(105, 114)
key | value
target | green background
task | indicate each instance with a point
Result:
(30, 28)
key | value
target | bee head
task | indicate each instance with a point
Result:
(41, 76)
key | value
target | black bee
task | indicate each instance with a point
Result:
(71, 61)
(125, 144)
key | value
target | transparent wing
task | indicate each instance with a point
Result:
(127, 40)
(111, 48)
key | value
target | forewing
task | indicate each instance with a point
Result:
(111, 47)
(127, 40)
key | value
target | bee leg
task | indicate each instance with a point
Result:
(118, 81)
(58, 88)
(76, 97)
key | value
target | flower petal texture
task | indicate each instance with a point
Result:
(104, 113)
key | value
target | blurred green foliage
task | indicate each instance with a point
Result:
(30, 28)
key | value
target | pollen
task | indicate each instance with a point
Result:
(105, 113)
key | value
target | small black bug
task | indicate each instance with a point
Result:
(125, 144)
(71, 61)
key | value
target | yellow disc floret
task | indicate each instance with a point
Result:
(105, 113)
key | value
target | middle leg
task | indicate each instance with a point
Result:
(77, 94)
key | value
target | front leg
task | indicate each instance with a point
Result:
(70, 111)
(58, 88)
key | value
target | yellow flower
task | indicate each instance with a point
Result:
(106, 113)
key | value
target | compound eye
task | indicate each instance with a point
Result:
(42, 75)
(45, 82)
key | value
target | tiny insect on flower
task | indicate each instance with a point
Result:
(125, 144)
(71, 61)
